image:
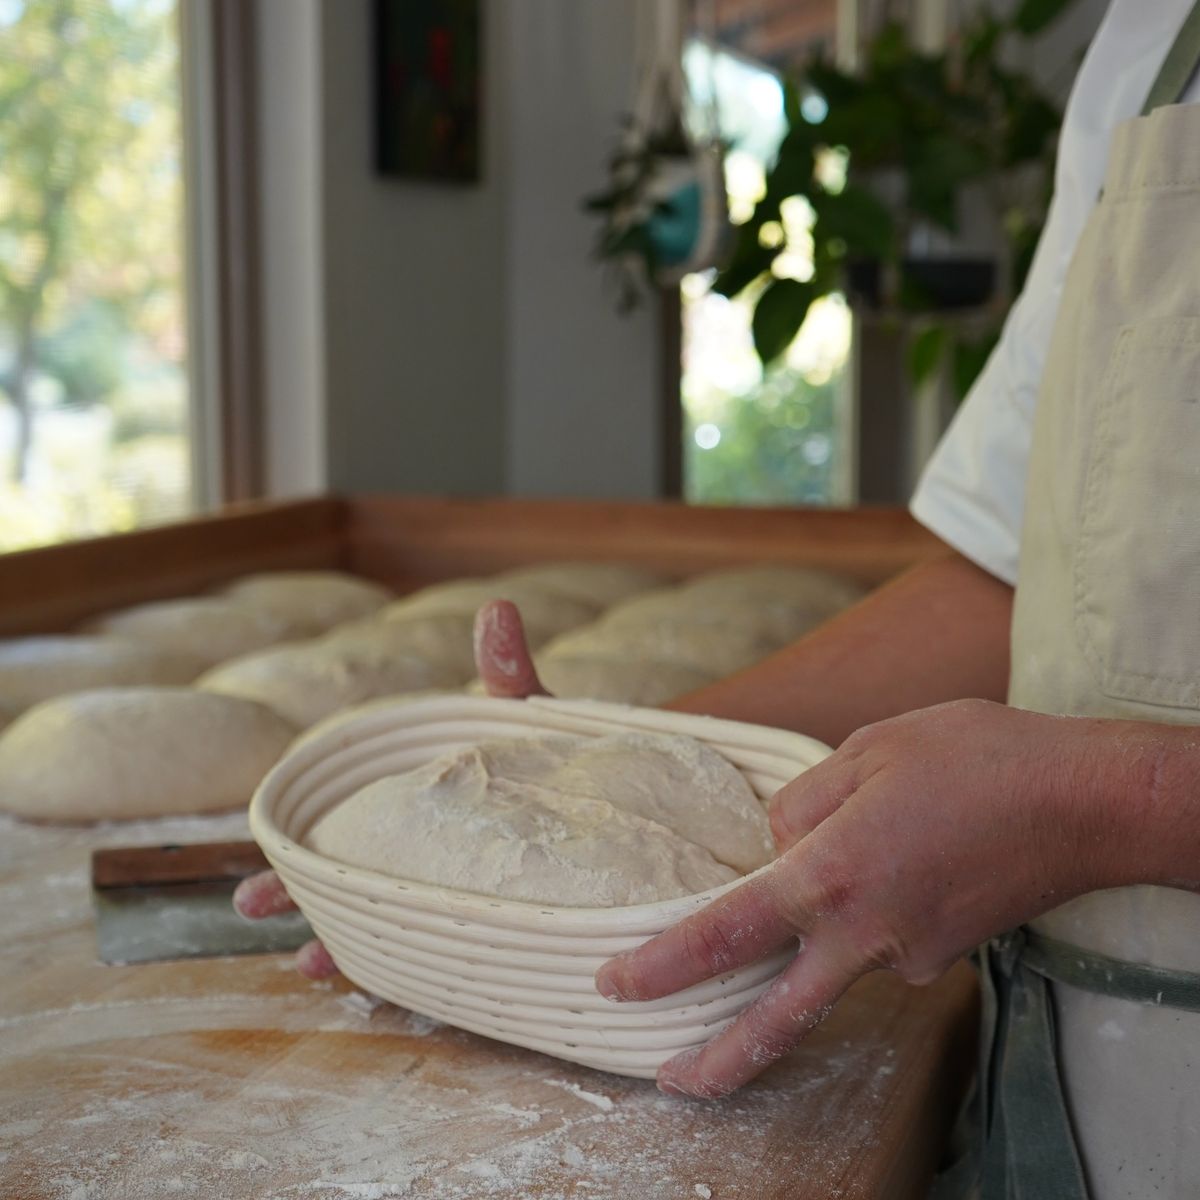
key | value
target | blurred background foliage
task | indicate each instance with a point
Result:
(93, 402)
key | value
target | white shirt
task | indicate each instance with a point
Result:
(972, 493)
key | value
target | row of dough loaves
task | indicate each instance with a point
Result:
(272, 654)
(662, 643)
(109, 731)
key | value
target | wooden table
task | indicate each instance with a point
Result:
(234, 1079)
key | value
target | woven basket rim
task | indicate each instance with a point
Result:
(341, 732)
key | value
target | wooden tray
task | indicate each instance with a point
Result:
(406, 541)
(236, 1078)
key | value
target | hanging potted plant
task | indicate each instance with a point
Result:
(905, 171)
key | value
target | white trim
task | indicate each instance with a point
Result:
(200, 242)
(290, 96)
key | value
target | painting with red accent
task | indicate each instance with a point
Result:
(427, 89)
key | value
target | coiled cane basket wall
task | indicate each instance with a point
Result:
(515, 971)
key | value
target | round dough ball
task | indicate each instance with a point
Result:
(534, 819)
(310, 601)
(600, 583)
(445, 638)
(34, 669)
(716, 650)
(802, 587)
(541, 611)
(210, 628)
(122, 753)
(772, 622)
(621, 680)
(306, 681)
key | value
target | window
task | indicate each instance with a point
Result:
(94, 404)
(751, 437)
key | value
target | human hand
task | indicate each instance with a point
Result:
(919, 839)
(505, 665)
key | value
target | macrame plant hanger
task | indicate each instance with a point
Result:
(665, 211)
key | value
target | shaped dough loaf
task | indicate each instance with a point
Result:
(306, 681)
(137, 752)
(714, 650)
(806, 588)
(623, 680)
(444, 638)
(773, 622)
(311, 601)
(210, 628)
(543, 610)
(34, 669)
(593, 583)
(557, 820)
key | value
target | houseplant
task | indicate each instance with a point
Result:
(884, 162)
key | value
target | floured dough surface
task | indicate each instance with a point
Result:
(210, 628)
(33, 669)
(597, 583)
(305, 682)
(622, 680)
(312, 601)
(802, 587)
(774, 622)
(445, 638)
(542, 610)
(715, 650)
(137, 752)
(573, 821)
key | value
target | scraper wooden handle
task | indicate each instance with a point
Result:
(146, 866)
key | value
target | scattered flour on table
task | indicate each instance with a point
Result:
(379, 1114)
(419, 1025)
(603, 1103)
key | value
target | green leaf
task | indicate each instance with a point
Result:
(857, 217)
(968, 360)
(1032, 16)
(1033, 123)
(792, 174)
(778, 315)
(748, 261)
(925, 353)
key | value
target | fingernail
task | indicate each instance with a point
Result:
(613, 983)
(672, 1075)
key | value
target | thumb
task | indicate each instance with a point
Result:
(502, 655)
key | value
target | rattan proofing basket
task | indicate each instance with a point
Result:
(518, 972)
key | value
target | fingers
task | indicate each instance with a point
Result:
(795, 1003)
(313, 961)
(801, 805)
(739, 928)
(261, 895)
(502, 655)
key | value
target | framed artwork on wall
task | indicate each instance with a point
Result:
(427, 89)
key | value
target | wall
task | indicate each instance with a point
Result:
(414, 293)
(583, 401)
(289, 39)
(440, 338)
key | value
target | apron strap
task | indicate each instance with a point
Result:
(1179, 66)
(1021, 1144)
(1138, 982)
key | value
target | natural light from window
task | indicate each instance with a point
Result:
(750, 437)
(93, 396)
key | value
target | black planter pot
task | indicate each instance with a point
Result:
(932, 284)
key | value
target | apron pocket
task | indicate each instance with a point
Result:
(1137, 561)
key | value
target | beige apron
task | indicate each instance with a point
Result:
(1107, 622)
